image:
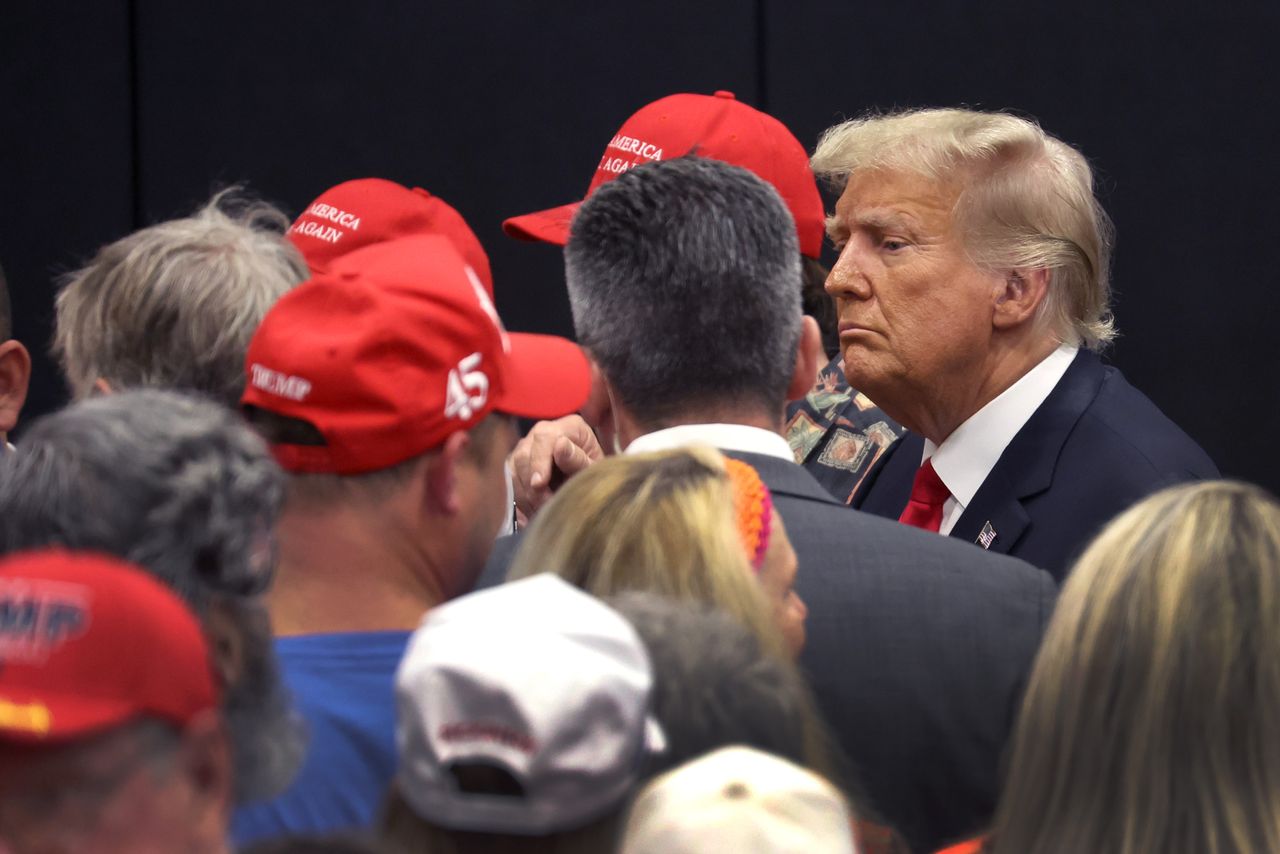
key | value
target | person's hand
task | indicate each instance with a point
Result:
(552, 452)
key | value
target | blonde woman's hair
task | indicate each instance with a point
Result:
(1152, 718)
(1026, 200)
(175, 305)
(659, 523)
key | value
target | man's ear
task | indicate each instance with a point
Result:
(441, 474)
(206, 764)
(1018, 296)
(805, 373)
(226, 642)
(598, 410)
(15, 376)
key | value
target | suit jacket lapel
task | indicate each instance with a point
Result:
(995, 519)
(1026, 468)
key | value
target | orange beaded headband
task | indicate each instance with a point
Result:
(753, 506)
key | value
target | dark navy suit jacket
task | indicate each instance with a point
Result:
(918, 650)
(1093, 448)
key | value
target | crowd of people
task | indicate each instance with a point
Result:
(882, 558)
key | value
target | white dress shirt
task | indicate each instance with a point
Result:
(726, 437)
(967, 456)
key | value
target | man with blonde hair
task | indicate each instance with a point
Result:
(174, 305)
(973, 296)
(717, 127)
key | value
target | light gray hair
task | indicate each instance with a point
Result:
(181, 487)
(176, 304)
(1026, 200)
(684, 283)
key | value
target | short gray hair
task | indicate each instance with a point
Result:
(175, 305)
(1026, 200)
(684, 282)
(181, 487)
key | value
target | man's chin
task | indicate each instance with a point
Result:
(864, 376)
(859, 367)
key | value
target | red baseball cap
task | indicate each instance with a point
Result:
(716, 126)
(89, 642)
(372, 210)
(393, 349)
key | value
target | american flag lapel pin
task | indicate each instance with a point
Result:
(987, 537)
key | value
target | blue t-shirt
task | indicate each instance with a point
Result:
(343, 685)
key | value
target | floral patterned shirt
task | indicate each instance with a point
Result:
(838, 433)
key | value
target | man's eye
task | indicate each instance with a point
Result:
(893, 245)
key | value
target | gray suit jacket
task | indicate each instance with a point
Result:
(918, 649)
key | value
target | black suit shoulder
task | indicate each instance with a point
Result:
(1124, 428)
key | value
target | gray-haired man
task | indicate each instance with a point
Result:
(175, 304)
(182, 488)
(918, 645)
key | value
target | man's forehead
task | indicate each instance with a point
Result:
(878, 198)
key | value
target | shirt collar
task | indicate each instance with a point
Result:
(726, 437)
(968, 455)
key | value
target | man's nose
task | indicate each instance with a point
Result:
(846, 279)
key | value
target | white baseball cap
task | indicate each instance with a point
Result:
(536, 678)
(742, 800)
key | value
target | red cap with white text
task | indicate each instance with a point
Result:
(716, 126)
(394, 348)
(373, 210)
(89, 642)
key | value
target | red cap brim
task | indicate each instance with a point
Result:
(546, 377)
(549, 226)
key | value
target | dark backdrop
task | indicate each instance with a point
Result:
(119, 113)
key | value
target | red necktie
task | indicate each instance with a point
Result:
(928, 494)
